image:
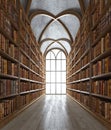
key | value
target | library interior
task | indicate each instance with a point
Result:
(55, 64)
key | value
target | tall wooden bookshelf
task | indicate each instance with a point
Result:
(22, 72)
(89, 63)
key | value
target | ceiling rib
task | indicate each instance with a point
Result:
(69, 11)
(56, 40)
(49, 25)
(28, 6)
(38, 12)
(74, 11)
(56, 48)
(58, 43)
(82, 5)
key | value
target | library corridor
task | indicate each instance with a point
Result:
(54, 112)
(55, 64)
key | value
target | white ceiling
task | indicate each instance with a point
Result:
(55, 22)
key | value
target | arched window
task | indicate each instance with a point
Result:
(55, 72)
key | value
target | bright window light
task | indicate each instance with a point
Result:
(55, 72)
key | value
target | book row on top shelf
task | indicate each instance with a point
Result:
(89, 62)
(21, 63)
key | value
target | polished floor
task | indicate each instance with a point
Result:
(54, 112)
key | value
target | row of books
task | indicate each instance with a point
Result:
(102, 66)
(11, 54)
(101, 107)
(24, 60)
(85, 73)
(27, 86)
(75, 77)
(102, 46)
(32, 53)
(24, 86)
(85, 46)
(34, 68)
(101, 3)
(77, 66)
(85, 31)
(35, 86)
(8, 87)
(10, 9)
(95, 104)
(102, 87)
(24, 73)
(85, 26)
(29, 40)
(105, 21)
(85, 60)
(27, 98)
(24, 46)
(8, 67)
(5, 23)
(8, 47)
(7, 107)
(77, 56)
(99, 8)
(82, 86)
(35, 77)
(82, 98)
(6, 3)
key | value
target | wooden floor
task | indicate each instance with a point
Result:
(54, 113)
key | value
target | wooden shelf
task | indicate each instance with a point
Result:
(6, 76)
(102, 34)
(31, 91)
(102, 76)
(85, 66)
(102, 56)
(99, 19)
(80, 58)
(8, 96)
(101, 97)
(79, 91)
(13, 34)
(85, 79)
(8, 57)
(29, 80)
(24, 66)
(8, 37)
(86, 36)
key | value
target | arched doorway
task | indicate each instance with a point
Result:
(55, 72)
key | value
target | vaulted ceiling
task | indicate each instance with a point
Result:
(55, 22)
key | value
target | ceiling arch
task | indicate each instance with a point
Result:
(55, 45)
(55, 6)
(62, 42)
(56, 40)
(55, 21)
(57, 49)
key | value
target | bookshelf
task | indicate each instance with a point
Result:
(22, 72)
(89, 62)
